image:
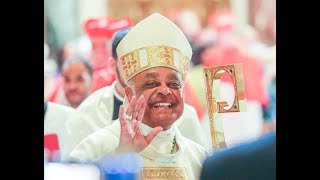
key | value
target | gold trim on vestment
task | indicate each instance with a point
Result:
(153, 56)
(168, 173)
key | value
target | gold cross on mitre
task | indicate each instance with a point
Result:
(212, 77)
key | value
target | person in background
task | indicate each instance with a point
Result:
(154, 62)
(94, 45)
(77, 76)
(251, 160)
(100, 31)
(190, 24)
(101, 108)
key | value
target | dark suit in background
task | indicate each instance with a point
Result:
(252, 160)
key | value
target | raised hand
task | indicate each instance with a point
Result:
(131, 138)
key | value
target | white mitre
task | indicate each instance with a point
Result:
(154, 41)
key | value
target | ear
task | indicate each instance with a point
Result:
(129, 93)
(112, 64)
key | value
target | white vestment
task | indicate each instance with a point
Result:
(54, 123)
(97, 110)
(103, 142)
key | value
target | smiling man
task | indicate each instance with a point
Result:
(162, 90)
(154, 58)
(77, 76)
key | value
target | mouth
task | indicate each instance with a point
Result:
(162, 105)
(73, 94)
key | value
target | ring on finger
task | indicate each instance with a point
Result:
(127, 117)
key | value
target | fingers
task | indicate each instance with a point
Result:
(130, 126)
(153, 133)
(137, 127)
(135, 108)
(125, 127)
(131, 106)
(138, 106)
(141, 112)
(121, 118)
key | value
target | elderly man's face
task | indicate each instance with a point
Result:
(77, 83)
(162, 88)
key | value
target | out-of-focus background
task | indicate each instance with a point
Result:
(220, 32)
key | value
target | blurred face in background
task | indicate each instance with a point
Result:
(77, 83)
(189, 23)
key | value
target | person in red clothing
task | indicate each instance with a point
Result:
(100, 31)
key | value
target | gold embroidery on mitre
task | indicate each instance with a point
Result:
(155, 56)
(160, 55)
(130, 63)
(168, 173)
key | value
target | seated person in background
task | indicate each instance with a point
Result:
(154, 57)
(101, 107)
(55, 116)
(77, 75)
(250, 161)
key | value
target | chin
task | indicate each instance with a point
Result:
(165, 121)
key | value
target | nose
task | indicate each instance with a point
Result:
(72, 85)
(164, 90)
